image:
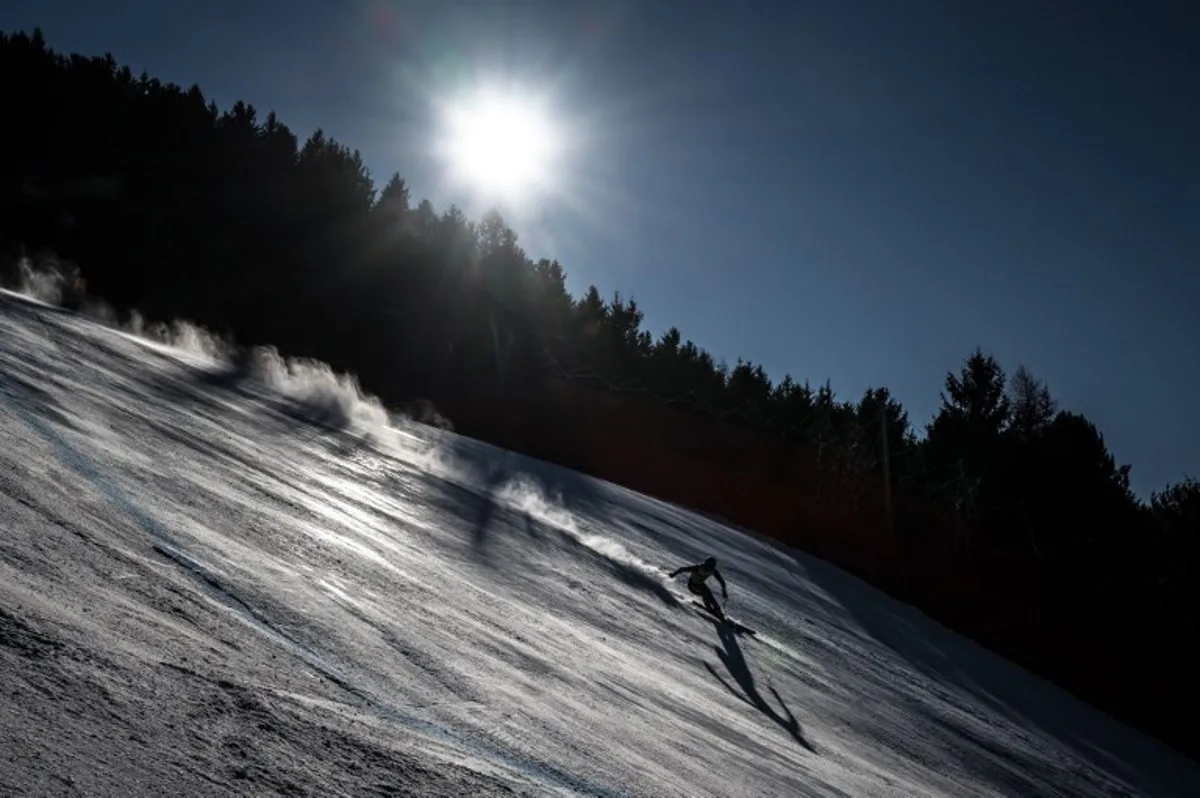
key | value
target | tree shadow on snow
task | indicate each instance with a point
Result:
(478, 506)
(735, 663)
(488, 507)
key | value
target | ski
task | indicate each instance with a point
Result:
(726, 620)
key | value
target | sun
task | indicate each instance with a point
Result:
(501, 145)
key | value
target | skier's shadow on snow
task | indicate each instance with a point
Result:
(735, 663)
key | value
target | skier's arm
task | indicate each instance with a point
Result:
(721, 579)
(684, 569)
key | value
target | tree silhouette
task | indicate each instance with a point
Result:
(1031, 404)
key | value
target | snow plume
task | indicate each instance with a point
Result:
(486, 469)
(423, 411)
(316, 392)
(184, 336)
(506, 480)
(102, 313)
(53, 281)
(319, 393)
(525, 494)
(616, 552)
(48, 280)
(442, 454)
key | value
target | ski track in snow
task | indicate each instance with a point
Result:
(201, 593)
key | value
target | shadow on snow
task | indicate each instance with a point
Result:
(735, 663)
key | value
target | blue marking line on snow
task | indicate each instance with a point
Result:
(170, 548)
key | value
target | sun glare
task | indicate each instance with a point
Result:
(500, 145)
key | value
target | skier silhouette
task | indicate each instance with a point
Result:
(700, 574)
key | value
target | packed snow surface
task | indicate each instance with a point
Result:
(219, 580)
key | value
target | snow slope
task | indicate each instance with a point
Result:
(202, 592)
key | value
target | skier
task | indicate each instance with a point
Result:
(700, 574)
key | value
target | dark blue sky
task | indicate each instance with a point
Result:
(861, 191)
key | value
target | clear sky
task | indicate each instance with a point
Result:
(862, 191)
